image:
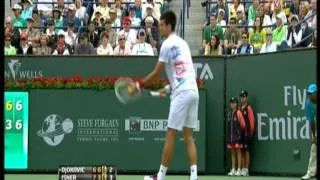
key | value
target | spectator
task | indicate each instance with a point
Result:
(304, 7)
(98, 19)
(131, 35)
(211, 30)
(264, 17)
(52, 34)
(115, 22)
(213, 48)
(71, 18)
(103, 9)
(18, 21)
(45, 9)
(279, 33)
(257, 35)
(38, 20)
(62, 7)
(136, 21)
(24, 48)
(294, 34)
(35, 43)
(312, 21)
(70, 36)
(253, 11)
(31, 31)
(13, 32)
(112, 38)
(249, 119)
(141, 48)
(81, 11)
(57, 18)
(122, 48)
(221, 5)
(84, 47)
(231, 38)
(8, 48)
(156, 9)
(93, 35)
(295, 7)
(276, 3)
(268, 46)
(241, 20)
(27, 9)
(120, 11)
(235, 126)
(105, 47)
(278, 13)
(152, 34)
(235, 8)
(245, 47)
(138, 9)
(43, 49)
(314, 40)
(62, 48)
(220, 20)
(150, 14)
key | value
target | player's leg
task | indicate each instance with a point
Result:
(192, 152)
(177, 116)
(192, 98)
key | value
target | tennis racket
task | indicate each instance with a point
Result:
(128, 91)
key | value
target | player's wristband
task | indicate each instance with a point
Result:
(141, 83)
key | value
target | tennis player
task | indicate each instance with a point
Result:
(175, 58)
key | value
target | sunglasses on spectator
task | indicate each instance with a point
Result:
(244, 37)
(269, 34)
(120, 39)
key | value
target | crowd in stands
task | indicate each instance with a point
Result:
(66, 27)
(258, 26)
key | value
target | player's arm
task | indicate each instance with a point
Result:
(310, 118)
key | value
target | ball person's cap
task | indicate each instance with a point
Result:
(233, 100)
(244, 93)
(312, 88)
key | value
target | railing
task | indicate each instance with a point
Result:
(243, 2)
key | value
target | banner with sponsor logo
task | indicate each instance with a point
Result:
(92, 127)
(209, 69)
(276, 85)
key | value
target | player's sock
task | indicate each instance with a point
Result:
(162, 172)
(194, 172)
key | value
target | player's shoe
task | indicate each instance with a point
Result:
(152, 177)
(307, 176)
(232, 172)
(238, 173)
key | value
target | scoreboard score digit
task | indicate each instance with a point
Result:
(16, 115)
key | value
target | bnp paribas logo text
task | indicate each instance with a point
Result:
(17, 71)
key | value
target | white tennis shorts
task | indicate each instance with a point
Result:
(183, 110)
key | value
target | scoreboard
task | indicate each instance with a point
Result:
(104, 172)
(16, 115)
